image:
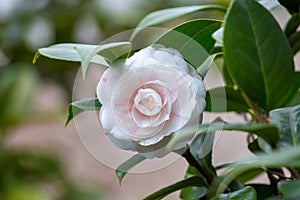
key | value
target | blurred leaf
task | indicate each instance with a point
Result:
(267, 72)
(294, 98)
(276, 159)
(290, 188)
(193, 40)
(188, 182)
(123, 169)
(77, 107)
(225, 99)
(204, 67)
(268, 132)
(165, 15)
(292, 25)
(247, 193)
(288, 122)
(25, 192)
(249, 175)
(17, 87)
(193, 193)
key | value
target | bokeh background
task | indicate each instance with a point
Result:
(40, 159)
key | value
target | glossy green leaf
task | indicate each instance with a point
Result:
(165, 15)
(225, 99)
(247, 193)
(193, 193)
(193, 40)
(78, 107)
(290, 188)
(264, 191)
(262, 70)
(288, 122)
(249, 175)
(123, 169)
(188, 182)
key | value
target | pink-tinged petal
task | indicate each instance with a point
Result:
(108, 124)
(108, 81)
(151, 141)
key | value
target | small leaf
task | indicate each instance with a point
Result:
(110, 51)
(225, 99)
(123, 169)
(247, 193)
(193, 40)
(165, 15)
(204, 67)
(288, 122)
(77, 107)
(294, 98)
(261, 70)
(188, 182)
(292, 25)
(290, 188)
(201, 150)
(218, 35)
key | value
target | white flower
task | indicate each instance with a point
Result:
(148, 99)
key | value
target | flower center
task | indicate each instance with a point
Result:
(148, 102)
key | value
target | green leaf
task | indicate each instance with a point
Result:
(193, 193)
(77, 107)
(86, 53)
(225, 99)
(292, 25)
(165, 15)
(288, 122)
(289, 188)
(264, 191)
(284, 158)
(249, 175)
(188, 182)
(201, 150)
(69, 52)
(294, 98)
(247, 193)
(262, 70)
(123, 169)
(193, 40)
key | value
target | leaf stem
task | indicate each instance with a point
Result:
(257, 114)
(193, 162)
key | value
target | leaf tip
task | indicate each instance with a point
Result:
(36, 56)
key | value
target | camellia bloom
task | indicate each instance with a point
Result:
(148, 99)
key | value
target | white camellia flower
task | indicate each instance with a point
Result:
(148, 99)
